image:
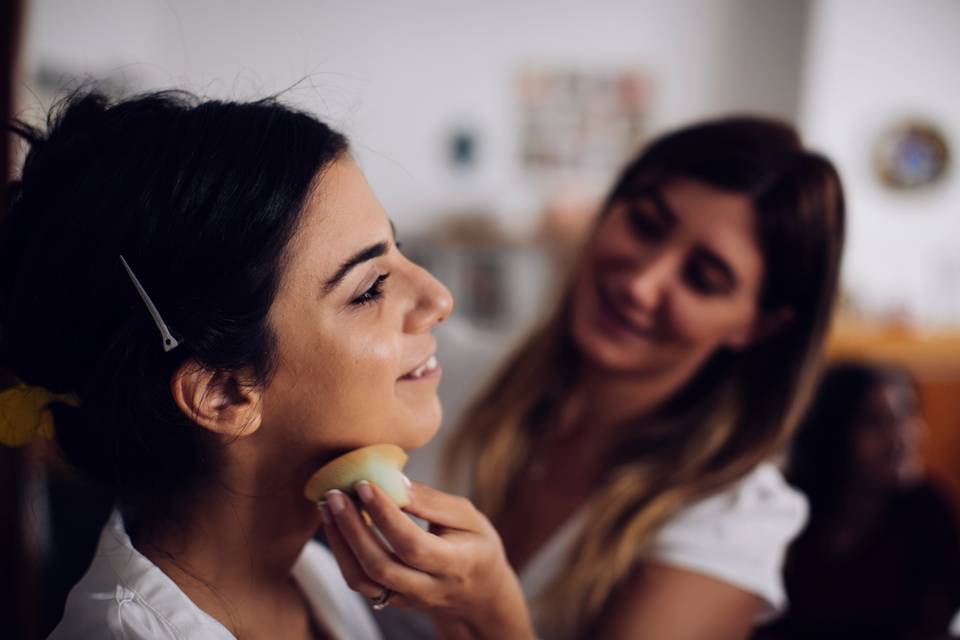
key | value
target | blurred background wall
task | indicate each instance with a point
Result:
(433, 95)
(401, 77)
(869, 64)
(405, 79)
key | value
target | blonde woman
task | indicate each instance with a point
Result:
(622, 451)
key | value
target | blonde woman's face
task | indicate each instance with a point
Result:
(668, 279)
(353, 318)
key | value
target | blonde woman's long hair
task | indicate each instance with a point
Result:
(735, 413)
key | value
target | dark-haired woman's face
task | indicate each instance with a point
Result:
(887, 437)
(668, 279)
(353, 316)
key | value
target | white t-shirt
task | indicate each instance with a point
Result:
(739, 536)
(123, 595)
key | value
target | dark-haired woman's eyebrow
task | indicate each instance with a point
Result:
(369, 253)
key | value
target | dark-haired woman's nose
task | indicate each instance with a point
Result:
(434, 304)
(650, 282)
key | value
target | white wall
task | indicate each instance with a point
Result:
(870, 63)
(397, 76)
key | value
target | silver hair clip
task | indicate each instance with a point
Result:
(169, 342)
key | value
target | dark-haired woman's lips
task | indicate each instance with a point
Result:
(613, 320)
(426, 370)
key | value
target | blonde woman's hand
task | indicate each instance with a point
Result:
(457, 572)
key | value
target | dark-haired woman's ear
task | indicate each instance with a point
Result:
(766, 325)
(223, 402)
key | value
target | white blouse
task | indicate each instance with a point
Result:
(123, 595)
(739, 536)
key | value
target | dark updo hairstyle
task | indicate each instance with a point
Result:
(821, 456)
(201, 198)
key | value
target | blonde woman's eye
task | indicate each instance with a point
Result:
(374, 293)
(706, 283)
(645, 226)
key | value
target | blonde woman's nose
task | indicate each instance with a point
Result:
(651, 282)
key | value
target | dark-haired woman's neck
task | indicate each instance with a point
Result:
(233, 548)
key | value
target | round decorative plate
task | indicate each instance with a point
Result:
(911, 155)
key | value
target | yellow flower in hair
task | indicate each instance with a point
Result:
(25, 412)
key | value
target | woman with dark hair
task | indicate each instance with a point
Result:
(209, 300)
(880, 557)
(622, 451)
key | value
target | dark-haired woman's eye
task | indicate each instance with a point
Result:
(374, 293)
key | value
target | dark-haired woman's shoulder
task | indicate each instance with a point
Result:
(124, 595)
(932, 496)
(928, 518)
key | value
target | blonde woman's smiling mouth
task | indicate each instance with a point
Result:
(614, 319)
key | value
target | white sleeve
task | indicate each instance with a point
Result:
(739, 536)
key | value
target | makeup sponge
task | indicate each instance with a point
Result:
(379, 464)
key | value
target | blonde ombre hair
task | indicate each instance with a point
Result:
(736, 411)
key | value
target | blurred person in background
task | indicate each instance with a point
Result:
(622, 451)
(880, 557)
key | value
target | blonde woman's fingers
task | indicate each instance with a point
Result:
(444, 509)
(349, 565)
(378, 564)
(413, 545)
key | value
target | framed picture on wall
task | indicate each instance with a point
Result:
(581, 120)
